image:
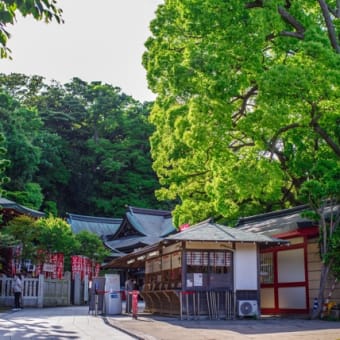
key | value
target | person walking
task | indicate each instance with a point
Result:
(128, 289)
(17, 289)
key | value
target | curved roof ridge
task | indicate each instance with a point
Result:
(8, 204)
(148, 211)
(135, 223)
(93, 218)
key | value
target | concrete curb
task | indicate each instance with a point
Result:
(121, 329)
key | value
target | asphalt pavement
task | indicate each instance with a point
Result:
(57, 324)
(167, 328)
(77, 323)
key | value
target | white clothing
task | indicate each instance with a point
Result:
(17, 287)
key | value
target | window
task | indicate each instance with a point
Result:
(266, 268)
(209, 269)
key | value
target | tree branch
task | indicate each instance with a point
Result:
(299, 32)
(273, 141)
(289, 19)
(254, 4)
(321, 132)
(336, 11)
(238, 114)
(329, 24)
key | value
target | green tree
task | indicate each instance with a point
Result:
(4, 163)
(49, 235)
(122, 170)
(25, 89)
(24, 230)
(85, 144)
(40, 10)
(46, 10)
(105, 147)
(91, 245)
(30, 197)
(21, 127)
(247, 113)
(56, 236)
(322, 190)
(243, 111)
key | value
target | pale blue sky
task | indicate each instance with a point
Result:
(101, 40)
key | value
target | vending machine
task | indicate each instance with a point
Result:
(113, 300)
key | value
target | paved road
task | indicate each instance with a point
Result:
(75, 323)
(158, 328)
(56, 324)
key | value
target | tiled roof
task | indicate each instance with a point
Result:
(141, 227)
(276, 222)
(209, 231)
(7, 204)
(102, 226)
(127, 243)
(146, 222)
(204, 231)
(151, 222)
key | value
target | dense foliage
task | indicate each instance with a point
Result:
(78, 147)
(248, 111)
(248, 103)
(50, 235)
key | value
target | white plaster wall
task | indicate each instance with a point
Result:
(245, 270)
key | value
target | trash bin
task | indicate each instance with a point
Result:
(113, 303)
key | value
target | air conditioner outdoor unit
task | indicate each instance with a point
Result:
(247, 307)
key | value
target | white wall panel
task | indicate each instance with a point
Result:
(245, 266)
(292, 297)
(291, 266)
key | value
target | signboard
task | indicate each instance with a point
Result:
(49, 267)
(52, 265)
(198, 279)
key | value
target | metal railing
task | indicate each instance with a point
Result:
(214, 304)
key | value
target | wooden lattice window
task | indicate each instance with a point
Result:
(266, 268)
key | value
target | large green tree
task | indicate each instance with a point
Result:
(244, 108)
(21, 127)
(105, 147)
(88, 146)
(46, 10)
(248, 109)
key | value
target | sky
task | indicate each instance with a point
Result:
(101, 40)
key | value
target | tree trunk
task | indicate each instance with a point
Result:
(321, 295)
